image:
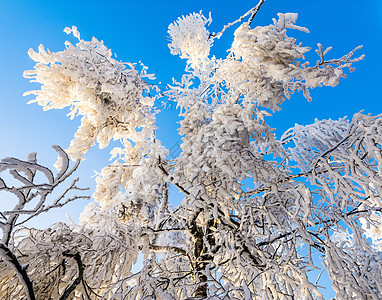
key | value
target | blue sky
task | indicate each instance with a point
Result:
(137, 30)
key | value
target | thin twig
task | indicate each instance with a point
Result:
(255, 11)
(252, 11)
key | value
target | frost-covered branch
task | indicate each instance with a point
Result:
(173, 249)
(251, 12)
(31, 199)
(79, 279)
(21, 272)
(255, 10)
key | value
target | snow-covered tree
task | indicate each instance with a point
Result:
(258, 213)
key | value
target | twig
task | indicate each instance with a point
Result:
(252, 11)
(255, 11)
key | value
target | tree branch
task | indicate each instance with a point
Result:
(252, 11)
(79, 279)
(255, 11)
(173, 249)
(10, 258)
(167, 174)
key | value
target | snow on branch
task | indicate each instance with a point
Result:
(31, 193)
(251, 12)
(32, 196)
(112, 97)
(266, 66)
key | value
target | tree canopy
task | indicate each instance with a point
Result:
(258, 214)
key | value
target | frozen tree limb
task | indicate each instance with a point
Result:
(7, 255)
(27, 192)
(251, 12)
(79, 279)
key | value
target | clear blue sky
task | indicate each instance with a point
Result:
(137, 30)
